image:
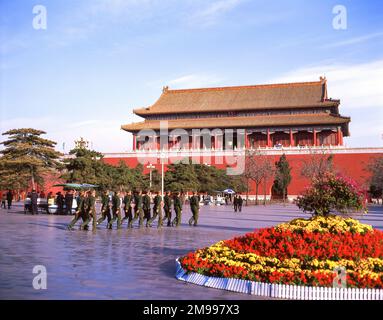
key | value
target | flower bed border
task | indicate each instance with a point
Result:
(277, 290)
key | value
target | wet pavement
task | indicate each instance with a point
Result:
(122, 264)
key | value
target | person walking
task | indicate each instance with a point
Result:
(138, 212)
(79, 212)
(240, 202)
(3, 200)
(194, 206)
(116, 204)
(235, 202)
(127, 203)
(178, 210)
(105, 208)
(90, 211)
(60, 202)
(34, 197)
(9, 199)
(68, 200)
(146, 207)
(157, 210)
(168, 208)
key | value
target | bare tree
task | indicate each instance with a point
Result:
(258, 169)
(317, 165)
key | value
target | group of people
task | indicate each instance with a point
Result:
(132, 206)
(237, 202)
(6, 199)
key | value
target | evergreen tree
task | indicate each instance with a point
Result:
(181, 177)
(26, 158)
(282, 177)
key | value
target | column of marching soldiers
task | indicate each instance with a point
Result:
(135, 206)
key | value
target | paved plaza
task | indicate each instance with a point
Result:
(122, 264)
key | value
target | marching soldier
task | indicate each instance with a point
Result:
(194, 206)
(85, 212)
(168, 208)
(138, 212)
(157, 210)
(178, 210)
(105, 208)
(90, 203)
(116, 203)
(146, 207)
(128, 208)
(79, 211)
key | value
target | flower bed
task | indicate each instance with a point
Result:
(302, 252)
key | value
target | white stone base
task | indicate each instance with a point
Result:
(278, 290)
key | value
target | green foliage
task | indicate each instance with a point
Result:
(331, 193)
(282, 176)
(87, 166)
(27, 157)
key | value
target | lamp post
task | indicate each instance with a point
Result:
(162, 158)
(150, 167)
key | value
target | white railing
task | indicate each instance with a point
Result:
(267, 151)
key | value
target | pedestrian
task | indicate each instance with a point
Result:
(178, 210)
(240, 202)
(80, 210)
(59, 202)
(85, 212)
(157, 210)
(34, 197)
(3, 200)
(9, 198)
(146, 207)
(68, 200)
(138, 212)
(235, 202)
(127, 203)
(105, 208)
(116, 205)
(168, 208)
(90, 203)
(194, 206)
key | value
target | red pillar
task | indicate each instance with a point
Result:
(134, 142)
(268, 138)
(340, 137)
(315, 137)
(291, 138)
(246, 140)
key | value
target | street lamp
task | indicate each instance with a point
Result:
(162, 158)
(150, 167)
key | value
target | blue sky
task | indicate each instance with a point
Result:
(99, 59)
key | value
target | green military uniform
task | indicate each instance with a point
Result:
(138, 212)
(79, 213)
(105, 209)
(127, 208)
(178, 209)
(194, 206)
(157, 211)
(146, 208)
(168, 209)
(90, 212)
(116, 203)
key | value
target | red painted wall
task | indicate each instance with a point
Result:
(353, 165)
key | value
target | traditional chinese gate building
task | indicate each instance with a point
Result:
(271, 115)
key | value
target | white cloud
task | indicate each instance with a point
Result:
(194, 81)
(359, 88)
(214, 10)
(355, 40)
(103, 135)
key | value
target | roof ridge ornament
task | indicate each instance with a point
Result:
(323, 81)
(165, 89)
